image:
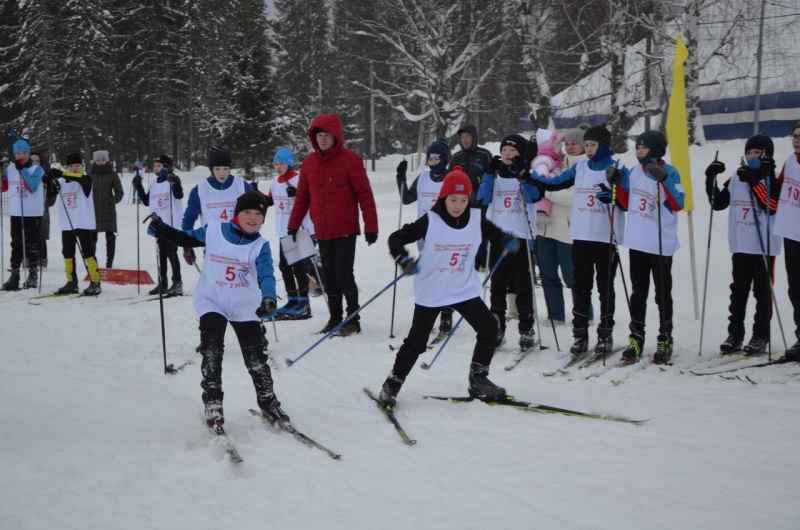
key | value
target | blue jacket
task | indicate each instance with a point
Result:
(31, 173)
(194, 208)
(567, 178)
(486, 190)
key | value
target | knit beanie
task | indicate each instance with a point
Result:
(74, 158)
(760, 141)
(575, 135)
(22, 145)
(548, 140)
(165, 160)
(284, 155)
(598, 134)
(517, 142)
(99, 155)
(251, 200)
(655, 141)
(441, 150)
(456, 183)
(219, 157)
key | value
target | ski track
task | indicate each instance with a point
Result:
(96, 436)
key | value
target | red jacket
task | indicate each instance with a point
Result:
(333, 184)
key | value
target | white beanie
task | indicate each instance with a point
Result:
(99, 155)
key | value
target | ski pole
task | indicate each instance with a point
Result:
(528, 241)
(394, 289)
(611, 252)
(290, 362)
(22, 225)
(168, 369)
(426, 366)
(708, 258)
(319, 277)
(42, 241)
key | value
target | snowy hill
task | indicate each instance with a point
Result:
(95, 436)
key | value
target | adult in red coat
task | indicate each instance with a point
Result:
(333, 185)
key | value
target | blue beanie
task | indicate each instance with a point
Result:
(22, 145)
(441, 150)
(285, 156)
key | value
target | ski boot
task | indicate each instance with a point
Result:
(159, 288)
(13, 281)
(663, 349)
(351, 328)
(175, 290)
(332, 323)
(731, 345)
(297, 308)
(446, 321)
(756, 346)
(527, 340)
(479, 385)
(581, 344)
(605, 341)
(275, 415)
(33, 278)
(214, 414)
(796, 345)
(634, 349)
(387, 397)
(291, 297)
(93, 289)
(69, 288)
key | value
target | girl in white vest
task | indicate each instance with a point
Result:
(590, 228)
(504, 190)
(237, 286)
(445, 275)
(77, 221)
(165, 198)
(639, 193)
(425, 192)
(787, 225)
(749, 240)
(23, 181)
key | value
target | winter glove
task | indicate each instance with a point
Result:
(714, 168)
(254, 184)
(533, 148)
(408, 264)
(47, 178)
(494, 165)
(291, 191)
(172, 179)
(267, 308)
(511, 244)
(189, 256)
(157, 225)
(748, 175)
(401, 174)
(767, 166)
(613, 176)
(292, 232)
(521, 167)
(371, 237)
(137, 182)
(605, 194)
(656, 171)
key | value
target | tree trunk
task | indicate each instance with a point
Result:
(692, 74)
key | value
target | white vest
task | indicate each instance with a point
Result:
(427, 193)
(218, 205)
(590, 217)
(165, 204)
(79, 208)
(20, 200)
(283, 204)
(508, 212)
(228, 284)
(642, 231)
(787, 218)
(447, 272)
(742, 234)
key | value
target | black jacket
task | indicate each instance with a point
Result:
(107, 193)
(475, 160)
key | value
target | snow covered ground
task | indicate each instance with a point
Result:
(96, 436)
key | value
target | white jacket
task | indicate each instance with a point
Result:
(556, 225)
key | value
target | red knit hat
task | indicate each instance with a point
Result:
(456, 183)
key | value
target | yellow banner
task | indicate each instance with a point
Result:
(677, 125)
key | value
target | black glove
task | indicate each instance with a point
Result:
(137, 182)
(605, 194)
(157, 225)
(408, 265)
(715, 168)
(46, 178)
(658, 172)
(292, 232)
(767, 166)
(267, 308)
(401, 174)
(172, 179)
(520, 166)
(613, 176)
(291, 191)
(55, 173)
(533, 148)
(494, 165)
(254, 184)
(371, 237)
(748, 176)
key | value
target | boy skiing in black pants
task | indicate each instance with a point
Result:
(446, 276)
(237, 285)
(746, 194)
(652, 237)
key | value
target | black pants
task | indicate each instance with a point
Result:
(168, 250)
(512, 275)
(293, 272)
(31, 241)
(84, 237)
(590, 257)
(474, 312)
(111, 245)
(643, 265)
(338, 256)
(212, 347)
(748, 269)
(791, 249)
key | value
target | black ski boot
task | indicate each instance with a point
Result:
(351, 328)
(214, 415)
(93, 289)
(756, 346)
(159, 288)
(796, 345)
(33, 278)
(387, 397)
(332, 323)
(69, 287)
(176, 289)
(275, 414)
(13, 281)
(479, 385)
(605, 341)
(731, 345)
(527, 340)
(634, 349)
(663, 349)
(446, 321)
(581, 344)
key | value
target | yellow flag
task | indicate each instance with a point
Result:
(677, 125)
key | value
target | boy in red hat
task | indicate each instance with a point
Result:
(445, 275)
